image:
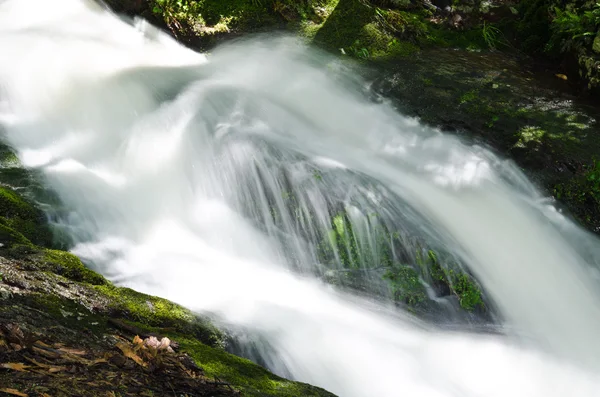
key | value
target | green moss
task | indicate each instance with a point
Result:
(210, 17)
(406, 285)
(10, 237)
(582, 194)
(470, 39)
(469, 294)
(345, 24)
(158, 312)
(251, 379)
(23, 217)
(342, 239)
(8, 157)
(70, 313)
(13, 206)
(529, 135)
(69, 266)
(457, 282)
(469, 96)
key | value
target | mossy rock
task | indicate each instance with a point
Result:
(252, 379)
(22, 216)
(70, 266)
(152, 311)
(456, 281)
(60, 308)
(9, 237)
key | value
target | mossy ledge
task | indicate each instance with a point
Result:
(52, 293)
(88, 307)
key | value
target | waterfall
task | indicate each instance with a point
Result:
(254, 182)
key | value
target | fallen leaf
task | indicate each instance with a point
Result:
(15, 366)
(14, 392)
(70, 358)
(45, 353)
(137, 340)
(53, 370)
(98, 361)
(73, 351)
(41, 344)
(37, 363)
(128, 352)
(562, 76)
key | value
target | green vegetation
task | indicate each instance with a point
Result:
(252, 379)
(406, 285)
(582, 193)
(573, 27)
(354, 260)
(19, 216)
(152, 311)
(70, 266)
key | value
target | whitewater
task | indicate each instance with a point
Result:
(169, 161)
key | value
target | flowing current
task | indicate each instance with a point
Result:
(174, 168)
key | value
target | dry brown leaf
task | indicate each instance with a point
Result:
(37, 363)
(53, 370)
(73, 351)
(15, 366)
(45, 353)
(97, 361)
(138, 341)
(128, 352)
(14, 392)
(77, 360)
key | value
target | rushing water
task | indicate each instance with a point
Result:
(175, 168)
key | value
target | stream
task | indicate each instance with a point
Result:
(213, 181)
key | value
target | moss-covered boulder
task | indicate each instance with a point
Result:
(90, 311)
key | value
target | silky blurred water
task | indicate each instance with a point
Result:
(176, 168)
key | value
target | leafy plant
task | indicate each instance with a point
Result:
(492, 35)
(573, 28)
(359, 52)
(173, 12)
